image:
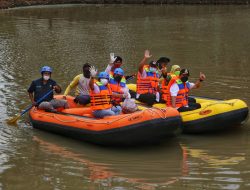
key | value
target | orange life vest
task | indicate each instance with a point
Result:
(148, 84)
(116, 88)
(101, 100)
(165, 85)
(182, 96)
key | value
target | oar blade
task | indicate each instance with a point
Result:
(13, 120)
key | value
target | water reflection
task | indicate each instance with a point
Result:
(212, 39)
(219, 162)
(7, 150)
(146, 168)
(201, 38)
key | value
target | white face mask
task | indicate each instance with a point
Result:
(104, 81)
(46, 77)
(152, 69)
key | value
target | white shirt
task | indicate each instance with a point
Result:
(174, 89)
(83, 85)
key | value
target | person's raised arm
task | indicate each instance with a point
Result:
(143, 61)
(93, 73)
(198, 82)
(111, 63)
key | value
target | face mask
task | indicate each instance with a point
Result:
(46, 77)
(184, 79)
(104, 81)
(86, 74)
(117, 66)
(177, 73)
(152, 69)
(118, 78)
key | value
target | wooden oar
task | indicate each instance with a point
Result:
(14, 119)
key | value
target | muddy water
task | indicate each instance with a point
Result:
(211, 39)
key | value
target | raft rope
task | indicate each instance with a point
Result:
(153, 112)
(162, 114)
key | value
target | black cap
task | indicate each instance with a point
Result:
(118, 58)
(153, 63)
(185, 72)
(163, 60)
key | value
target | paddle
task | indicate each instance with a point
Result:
(14, 119)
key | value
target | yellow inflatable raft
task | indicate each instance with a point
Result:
(214, 114)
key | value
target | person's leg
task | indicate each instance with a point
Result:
(116, 109)
(162, 101)
(82, 99)
(149, 99)
(59, 103)
(46, 106)
(132, 93)
(191, 106)
(194, 105)
(103, 113)
(191, 100)
(183, 109)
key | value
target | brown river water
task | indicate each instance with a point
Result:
(211, 39)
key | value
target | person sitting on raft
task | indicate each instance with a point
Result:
(116, 62)
(174, 73)
(41, 87)
(81, 83)
(119, 88)
(178, 89)
(101, 97)
(162, 64)
(147, 88)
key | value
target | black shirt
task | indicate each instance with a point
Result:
(39, 89)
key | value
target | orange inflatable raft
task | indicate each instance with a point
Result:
(141, 127)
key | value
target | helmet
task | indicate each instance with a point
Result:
(119, 71)
(46, 69)
(103, 75)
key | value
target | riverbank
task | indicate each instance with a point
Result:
(4, 4)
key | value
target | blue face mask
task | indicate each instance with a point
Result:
(152, 69)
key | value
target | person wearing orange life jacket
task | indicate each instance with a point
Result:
(116, 62)
(174, 72)
(162, 64)
(117, 83)
(179, 89)
(147, 88)
(101, 97)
